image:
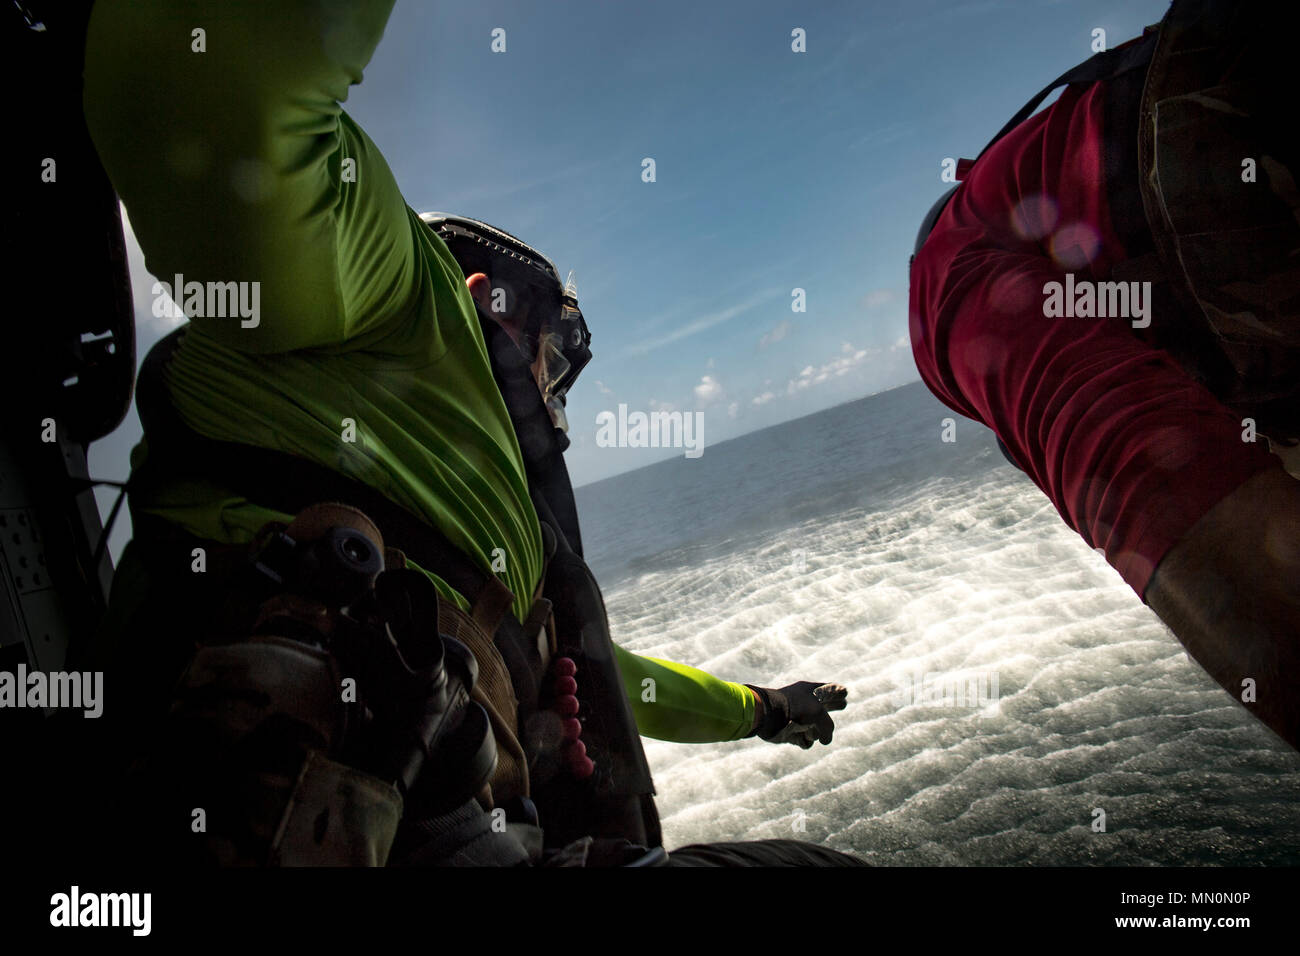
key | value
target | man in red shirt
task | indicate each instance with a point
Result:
(1133, 424)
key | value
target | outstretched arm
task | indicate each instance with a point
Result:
(684, 704)
(687, 705)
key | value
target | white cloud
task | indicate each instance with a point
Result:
(764, 398)
(709, 364)
(903, 343)
(776, 334)
(604, 389)
(810, 375)
(708, 391)
(733, 409)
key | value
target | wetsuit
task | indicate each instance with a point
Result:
(1129, 447)
(237, 164)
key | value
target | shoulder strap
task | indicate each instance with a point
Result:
(541, 443)
(1107, 65)
(1097, 68)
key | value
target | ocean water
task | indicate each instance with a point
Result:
(856, 546)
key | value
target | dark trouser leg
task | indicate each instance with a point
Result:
(761, 853)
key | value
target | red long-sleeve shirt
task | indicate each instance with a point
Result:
(1130, 449)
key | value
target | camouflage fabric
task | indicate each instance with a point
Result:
(337, 816)
(1219, 155)
(248, 736)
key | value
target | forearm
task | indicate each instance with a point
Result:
(1229, 593)
(684, 704)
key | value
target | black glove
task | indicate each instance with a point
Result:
(799, 713)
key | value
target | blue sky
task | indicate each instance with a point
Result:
(775, 170)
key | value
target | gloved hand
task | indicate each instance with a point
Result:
(799, 713)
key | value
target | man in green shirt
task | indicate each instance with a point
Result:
(358, 346)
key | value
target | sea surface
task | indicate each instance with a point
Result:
(855, 545)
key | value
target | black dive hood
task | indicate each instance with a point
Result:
(545, 308)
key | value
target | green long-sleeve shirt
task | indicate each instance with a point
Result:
(236, 163)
